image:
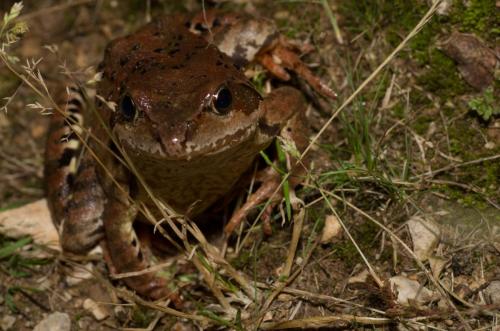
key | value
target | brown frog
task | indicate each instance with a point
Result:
(174, 97)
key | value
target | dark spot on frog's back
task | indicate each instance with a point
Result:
(140, 66)
(136, 47)
(124, 60)
(173, 51)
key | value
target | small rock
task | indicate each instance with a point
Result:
(444, 8)
(476, 62)
(409, 291)
(362, 277)
(437, 265)
(182, 326)
(331, 230)
(1, 300)
(120, 313)
(489, 145)
(98, 311)
(7, 322)
(492, 293)
(425, 236)
(283, 297)
(79, 274)
(31, 220)
(54, 322)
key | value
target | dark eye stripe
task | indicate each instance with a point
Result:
(66, 157)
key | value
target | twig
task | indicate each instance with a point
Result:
(458, 165)
(342, 321)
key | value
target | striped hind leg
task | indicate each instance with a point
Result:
(75, 196)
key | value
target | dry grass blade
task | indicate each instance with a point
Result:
(338, 321)
(377, 279)
(370, 78)
(410, 252)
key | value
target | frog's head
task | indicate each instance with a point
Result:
(176, 96)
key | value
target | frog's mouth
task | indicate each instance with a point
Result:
(184, 144)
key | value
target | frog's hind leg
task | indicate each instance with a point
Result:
(74, 194)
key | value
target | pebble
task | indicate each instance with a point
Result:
(54, 322)
(7, 322)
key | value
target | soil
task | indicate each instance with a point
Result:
(419, 140)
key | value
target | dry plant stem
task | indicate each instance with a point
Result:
(297, 230)
(322, 297)
(131, 297)
(151, 325)
(465, 187)
(377, 280)
(46, 97)
(410, 252)
(415, 30)
(156, 267)
(483, 310)
(210, 280)
(333, 21)
(326, 321)
(453, 166)
(282, 285)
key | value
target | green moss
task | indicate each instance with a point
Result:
(142, 317)
(364, 234)
(468, 144)
(398, 110)
(478, 16)
(421, 124)
(441, 77)
(466, 199)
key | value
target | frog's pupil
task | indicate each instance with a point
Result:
(127, 108)
(223, 100)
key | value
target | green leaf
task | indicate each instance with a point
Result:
(484, 105)
(11, 248)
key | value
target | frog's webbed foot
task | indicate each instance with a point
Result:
(283, 56)
(246, 39)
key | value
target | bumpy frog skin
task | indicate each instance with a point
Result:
(191, 124)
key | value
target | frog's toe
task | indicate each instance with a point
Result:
(267, 190)
(282, 57)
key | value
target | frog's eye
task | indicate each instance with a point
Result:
(127, 108)
(222, 101)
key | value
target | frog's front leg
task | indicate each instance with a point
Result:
(123, 247)
(284, 114)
